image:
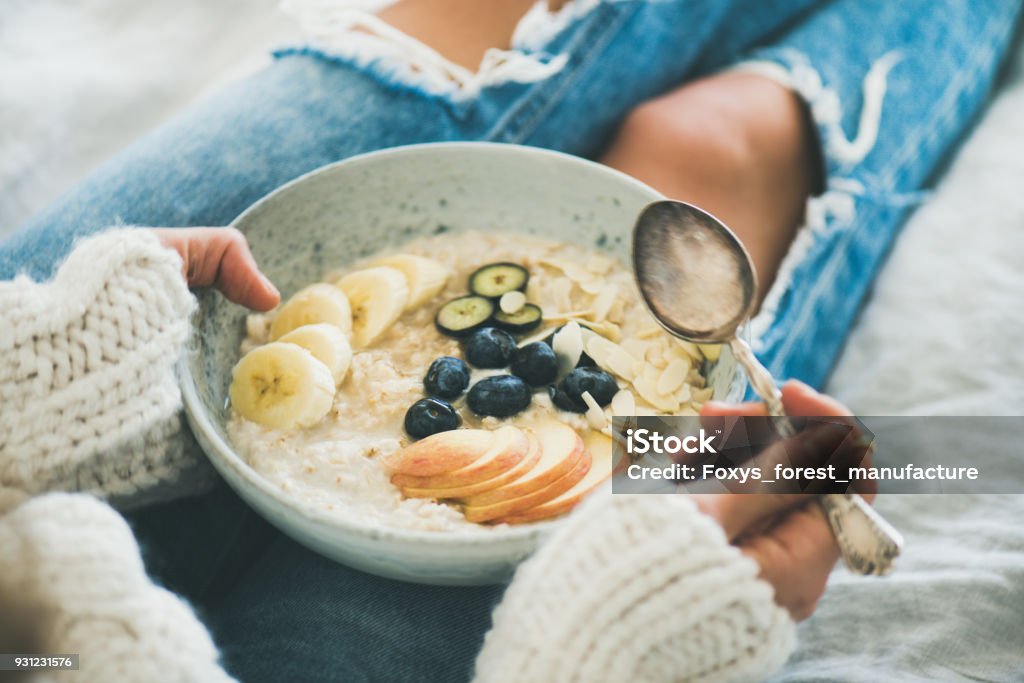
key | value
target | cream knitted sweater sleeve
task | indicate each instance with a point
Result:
(72, 581)
(90, 401)
(636, 588)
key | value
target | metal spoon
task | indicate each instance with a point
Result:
(699, 283)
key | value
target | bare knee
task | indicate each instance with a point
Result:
(686, 129)
(737, 145)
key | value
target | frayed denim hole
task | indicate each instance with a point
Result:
(835, 208)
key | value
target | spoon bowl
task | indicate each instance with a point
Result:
(694, 274)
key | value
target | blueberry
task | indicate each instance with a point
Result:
(447, 377)
(490, 348)
(499, 396)
(562, 400)
(429, 416)
(599, 383)
(535, 363)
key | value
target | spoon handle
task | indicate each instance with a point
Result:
(868, 542)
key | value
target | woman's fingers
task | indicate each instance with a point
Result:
(236, 274)
(796, 557)
(788, 535)
(220, 257)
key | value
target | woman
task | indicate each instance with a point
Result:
(854, 102)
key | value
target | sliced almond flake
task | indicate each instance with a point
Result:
(648, 390)
(651, 374)
(623, 403)
(689, 348)
(599, 349)
(617, 313)
(593, 287)
(568, 347)
(711, 351)
(611, 357)
(702, 395)
(695, 378)
(571, 315)
(539, 336)
(649, 333)
(512, 302)
(599, 265)
(637, 347)
(659, 362)
(654, 352)
(604, 328)
(595, 414)
(603, 303)
(683, 393)
(687, 411)
(587, 333)
(623, 364)
(571, 270)
(560, 291)
(673, 376)
(534, 288)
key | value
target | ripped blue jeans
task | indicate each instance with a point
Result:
(891, 88)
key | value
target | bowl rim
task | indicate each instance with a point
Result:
(224, 453)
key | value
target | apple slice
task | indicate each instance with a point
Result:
(441, 452)
(561, 447)
(513, 506)
(600, 448)
(525, 465)
(507, 450)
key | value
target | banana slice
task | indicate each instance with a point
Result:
(319, 303)
(425, 277)
(378, 297)
(327, 343)
(281, 386)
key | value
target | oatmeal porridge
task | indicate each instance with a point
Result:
(467, 382)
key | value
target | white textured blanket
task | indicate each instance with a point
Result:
(941, 335)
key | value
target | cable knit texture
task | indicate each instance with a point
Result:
(70, 562)
(90, 401)
(641, 589)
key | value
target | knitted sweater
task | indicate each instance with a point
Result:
(90, 401)
(638, 588)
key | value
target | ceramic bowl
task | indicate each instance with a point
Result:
(359, 206)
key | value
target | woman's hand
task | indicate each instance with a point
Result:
(220, 257)
(786, 534)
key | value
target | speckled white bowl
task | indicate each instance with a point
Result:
(359, 206)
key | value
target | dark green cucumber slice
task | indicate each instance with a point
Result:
(498, 278)
(525, 319)
(464, 315)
